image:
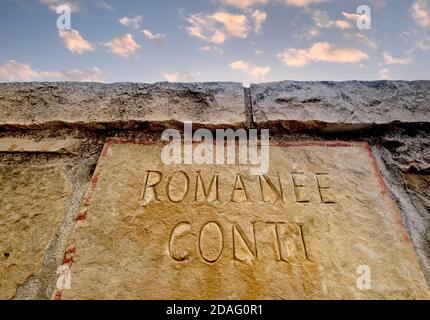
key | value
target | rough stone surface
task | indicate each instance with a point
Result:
(256, 242)
(340, 105)
(32, 204)
(36, 105)
(410, 153)
(10, 144)
(407, 161)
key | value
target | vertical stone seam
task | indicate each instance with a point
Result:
(80, 216)
(249, 113)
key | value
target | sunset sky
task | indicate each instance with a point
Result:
(214, 40)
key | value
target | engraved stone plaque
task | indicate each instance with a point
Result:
(320, 224)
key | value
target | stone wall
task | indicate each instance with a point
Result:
(52, 134)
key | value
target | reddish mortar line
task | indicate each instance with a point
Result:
(309, 143)
(317, 143)
(67, 259)
(68, 255)
(82, 215)
(58, 294)
(374, 165)
(93, 183)
(134, 141)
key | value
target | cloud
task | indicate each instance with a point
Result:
(54, 4)
(321, 52)
(205, 48)
(239, 65)
(253, 71)
(13, 71)
(362, 38)
(158, 37)
(106, 5)
(243, 4)
(342, 24)
(218, 27)
(356, 16)
(389, 59)
(258, 72)
(420, 39)
(322, 20)
(259, 17)
(233, 24)
(133, 22)
(384, 74)
(180, 76)
(124, 46)
(312, 32)
(303, 3)
(74, 41)
(82, 75)
(295, 57)
(423, 44)
(212, 49)
(351, 16)
(421, 12)
(379, 3)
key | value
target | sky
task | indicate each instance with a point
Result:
(248, 41)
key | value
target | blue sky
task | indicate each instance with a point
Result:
(214, 40)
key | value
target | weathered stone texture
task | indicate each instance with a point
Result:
(341, 105)
(410, 156)
(104, 105)
(32, 204)
(11, 144)
(305, 240)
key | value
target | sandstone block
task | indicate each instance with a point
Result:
(10, 144)
(32, 204)
(312, 228)
(346, 105)
(36, 105)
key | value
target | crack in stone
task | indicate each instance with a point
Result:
(249, 113)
